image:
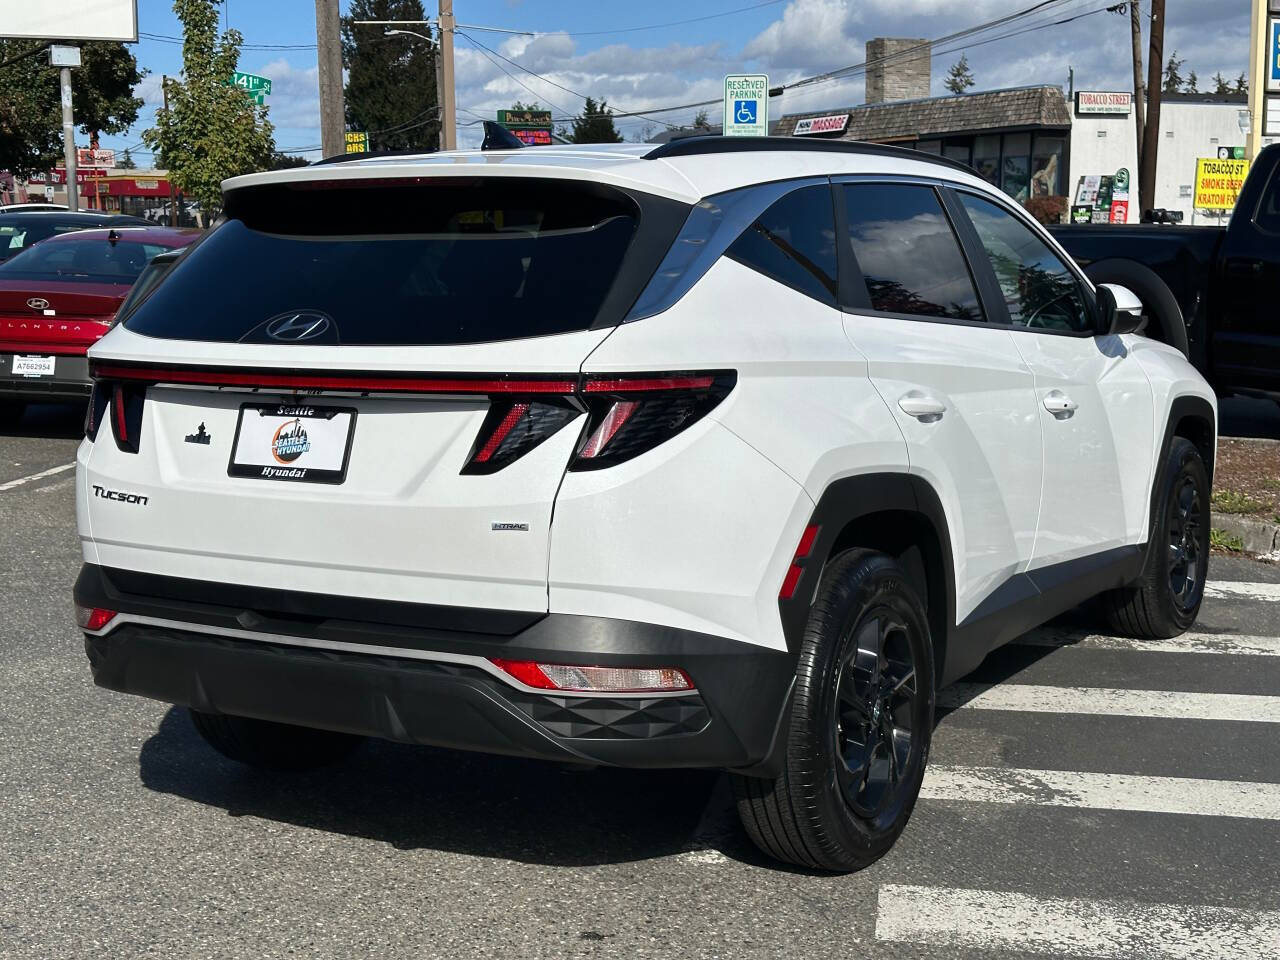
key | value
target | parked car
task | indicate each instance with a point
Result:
(58, 298)
(30, 205)
(1209, 291)
(20, 228)
(726, 453)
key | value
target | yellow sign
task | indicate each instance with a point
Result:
(1218, 183)
(357, 141)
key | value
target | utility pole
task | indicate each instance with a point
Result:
(1151, 133)
(329, 50)
(65, 58)
(1139, 101)
(448, 105)
(173, 204)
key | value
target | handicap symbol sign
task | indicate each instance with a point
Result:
(744, 111)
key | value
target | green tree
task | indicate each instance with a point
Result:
(595, 125)
(1221, 84)
(959, 77)
(1193, 83)
(391, 81)
(211, 130)
(701, 120)
(286, 161)
(31, 108)
(126, 162)
(1242, 84)
(1173, 73)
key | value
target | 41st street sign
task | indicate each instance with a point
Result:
(257, 87)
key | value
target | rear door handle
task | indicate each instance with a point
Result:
(923, 408)
(1059, 404)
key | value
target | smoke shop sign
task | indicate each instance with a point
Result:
(1098, 102)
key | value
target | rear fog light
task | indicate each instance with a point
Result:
(574, 679)
(93, 618)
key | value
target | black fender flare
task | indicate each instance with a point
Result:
(847, 500)
(1151, 290)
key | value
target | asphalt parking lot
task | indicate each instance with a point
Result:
(1089, 796)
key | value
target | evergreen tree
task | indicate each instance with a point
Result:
(31, 107)
(1221, 84)
(1242, 84)
(1173, 73)
(959, 77)
(391, 81)
(211, 130)
(1192, 84)
(126, 162)
(595, 125)
(701, 120)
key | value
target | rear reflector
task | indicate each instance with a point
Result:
(93, 618)
(574, 679)
(803, 549)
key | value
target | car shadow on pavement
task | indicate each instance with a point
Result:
(54, 421)
(420, 797)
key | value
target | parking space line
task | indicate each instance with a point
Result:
(1243, 590)
(1105, 929)
(1111, 702)
(1104, 791)
(1226, 643)
(52, 471)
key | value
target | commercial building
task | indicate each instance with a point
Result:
(1033, 142)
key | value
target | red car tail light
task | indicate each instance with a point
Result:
(127, 403)
(514, 427)
(93, 619)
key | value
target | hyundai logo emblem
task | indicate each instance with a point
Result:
(38, 303)
(298, 325)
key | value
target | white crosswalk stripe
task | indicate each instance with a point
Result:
(1225, 643)
(1102, 701)
(1104, 929)
(1104, 791)
(1242, 590)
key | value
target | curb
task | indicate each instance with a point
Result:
(1261, 539)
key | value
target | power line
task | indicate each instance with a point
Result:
(166, 38)
(481, 49)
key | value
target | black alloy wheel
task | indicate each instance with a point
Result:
(1185, 522)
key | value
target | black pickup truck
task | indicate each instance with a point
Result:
(1213, 292)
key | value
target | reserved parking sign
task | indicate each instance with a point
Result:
(746, 105)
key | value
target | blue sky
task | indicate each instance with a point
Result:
(636, 69)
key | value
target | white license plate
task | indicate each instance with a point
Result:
(33, 366)
(291, 442)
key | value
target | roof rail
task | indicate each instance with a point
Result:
(698, 146)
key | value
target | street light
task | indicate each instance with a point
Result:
(440, 113)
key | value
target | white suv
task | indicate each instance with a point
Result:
(726, 453)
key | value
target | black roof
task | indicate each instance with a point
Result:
(699, 146)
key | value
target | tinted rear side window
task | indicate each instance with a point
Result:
(436, 262)
(909, 255)
(794, 242)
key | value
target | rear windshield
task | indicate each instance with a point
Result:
(90, 260)
(439, 262)
(18, 234)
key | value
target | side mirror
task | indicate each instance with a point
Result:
(1119, 310)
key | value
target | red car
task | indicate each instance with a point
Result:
(58, 297)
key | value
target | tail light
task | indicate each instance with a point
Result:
(574, 679)
(127, 402)
(514, 427)
(98, 397)
(93, 619)
(630, 415)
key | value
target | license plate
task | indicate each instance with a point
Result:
(292, 442)
(33, 366)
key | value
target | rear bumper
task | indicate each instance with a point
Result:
(69, 382)
(430, 685)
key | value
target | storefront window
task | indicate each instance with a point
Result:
(1046, 167)
(1015, 171)
(986, 158)
(930, 146)
(957, 151)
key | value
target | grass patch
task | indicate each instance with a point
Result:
(1222, 540)
(1233, 501)
(1271, 483)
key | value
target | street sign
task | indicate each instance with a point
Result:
(357, 141)
(746, 105)
(259, 88)
(1218, 183)
(1273, 55)
(64, 56)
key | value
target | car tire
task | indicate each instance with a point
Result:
(844, 796)
(11, 412)
(1165, 600)
(272, 746)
